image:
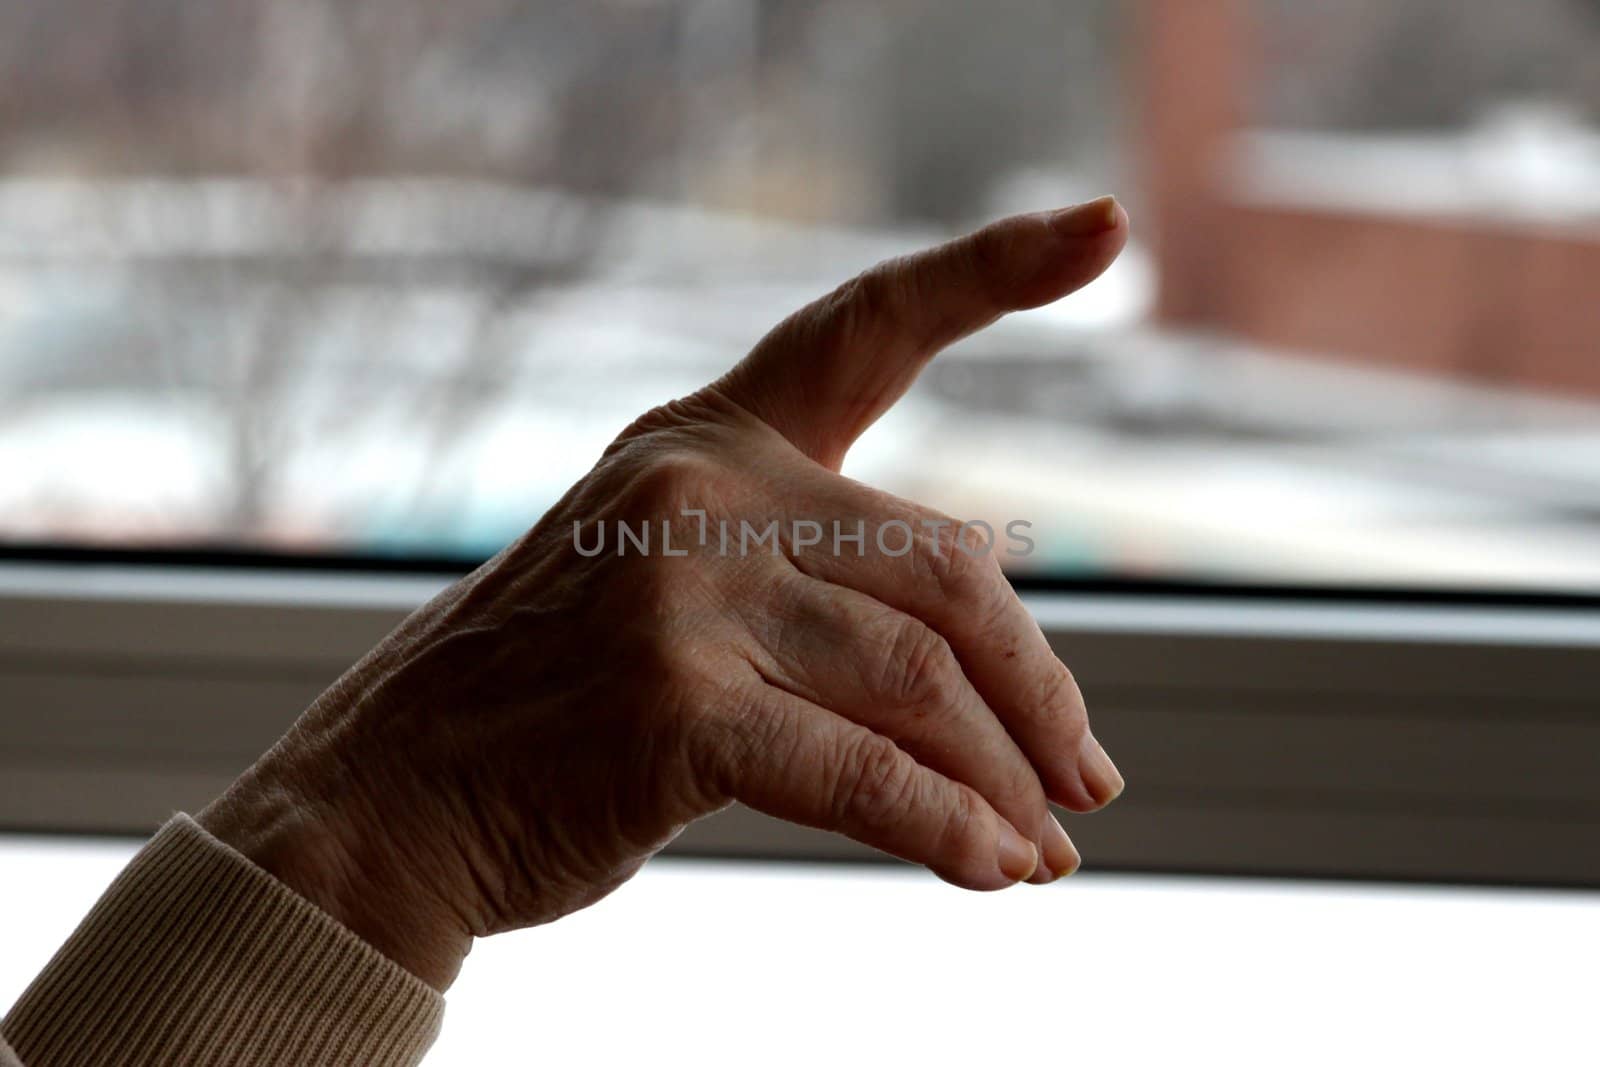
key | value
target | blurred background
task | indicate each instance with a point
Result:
(381, 277)
(378, 280)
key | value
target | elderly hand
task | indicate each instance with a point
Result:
(520, 745)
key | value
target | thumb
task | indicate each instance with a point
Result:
(827, 372)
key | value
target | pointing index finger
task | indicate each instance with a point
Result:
(826, 373)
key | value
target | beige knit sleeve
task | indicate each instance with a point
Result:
(197, 956)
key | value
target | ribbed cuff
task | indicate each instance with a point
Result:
(197, 956)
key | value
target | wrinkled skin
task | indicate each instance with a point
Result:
(520, 745)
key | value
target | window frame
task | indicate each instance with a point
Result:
(1262, 734)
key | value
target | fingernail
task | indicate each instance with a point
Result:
(1017, 856)
(1100, 775)
(1086, 220)
(1058, 856)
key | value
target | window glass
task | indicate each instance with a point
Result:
(382, 277)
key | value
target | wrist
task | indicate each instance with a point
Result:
(323, 853)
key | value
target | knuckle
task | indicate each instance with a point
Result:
(731, 742)
(1027, 807)
(859, 308)
(956, 837)
(962, 566)
(990, 258)
(1059, 697)
(669, 481)
(920, 668)
(875, 783)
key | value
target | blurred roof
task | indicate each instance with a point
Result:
(1531, 162)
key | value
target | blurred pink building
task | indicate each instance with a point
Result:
(1499, 297)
